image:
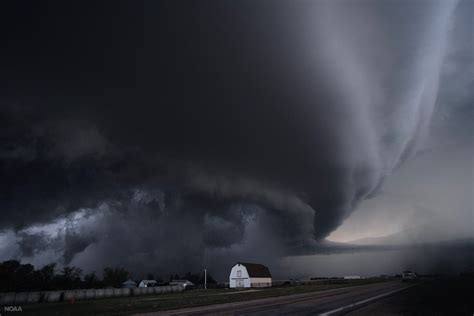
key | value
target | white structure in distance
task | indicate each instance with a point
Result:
(147, 283)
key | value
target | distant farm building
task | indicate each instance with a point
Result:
(184, 283)
(352, 277)
(246, 275)
(129, 284)
(147, 283)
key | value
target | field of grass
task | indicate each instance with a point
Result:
(192, 298)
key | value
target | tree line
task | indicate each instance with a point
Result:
(18, 277)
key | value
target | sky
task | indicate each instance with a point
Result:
(169, 136)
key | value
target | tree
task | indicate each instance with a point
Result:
(91, 281)
(174, 277)
(150, 276)
(47, 276)
(17, 277)
(69, 278)
(210, 279)
(198, 278)
(24, 277)
(8, 275)
(115, 276)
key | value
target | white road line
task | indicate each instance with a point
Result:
(364, 301)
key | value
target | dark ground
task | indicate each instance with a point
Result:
(193, 298)
(443, 296)
(434, 296)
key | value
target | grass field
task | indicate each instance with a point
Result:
(192, 298)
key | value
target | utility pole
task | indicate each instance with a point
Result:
(205, 278)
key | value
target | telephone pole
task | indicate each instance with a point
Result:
(205, 278)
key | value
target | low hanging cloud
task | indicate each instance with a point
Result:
(267, 124)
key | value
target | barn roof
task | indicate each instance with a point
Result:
(256, 270)
(129, 282)
(149, 281)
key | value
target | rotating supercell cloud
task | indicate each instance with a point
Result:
(132, 133)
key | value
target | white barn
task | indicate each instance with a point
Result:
(246, 275)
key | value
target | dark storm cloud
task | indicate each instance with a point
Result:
(48, 169)
(30, 243)
(204, 119)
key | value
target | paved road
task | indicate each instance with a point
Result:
(314, 303)
(443, 296)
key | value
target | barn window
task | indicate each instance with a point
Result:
(239, 273)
